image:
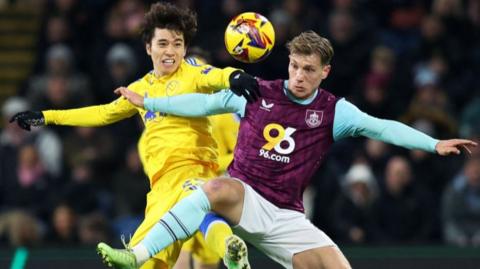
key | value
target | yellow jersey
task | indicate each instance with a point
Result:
(168, 139)
(225, 132)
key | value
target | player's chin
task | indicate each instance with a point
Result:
(167, 69)
(300, 93)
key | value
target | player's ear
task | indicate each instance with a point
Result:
(148, 48)
(326, 70)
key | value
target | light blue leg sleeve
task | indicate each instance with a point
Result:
(181, 222)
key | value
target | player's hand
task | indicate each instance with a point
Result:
(26, 119)
(243, 84)
(133, 97)
(454, 146)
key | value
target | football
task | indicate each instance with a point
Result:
(249, 37)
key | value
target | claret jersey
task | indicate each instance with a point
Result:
(282, 143)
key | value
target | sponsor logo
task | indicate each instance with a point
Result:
(313, 118)
(265, 106)
(153, 116)
(274, 157)
(279, 139)
(150, 115)
(192, 184)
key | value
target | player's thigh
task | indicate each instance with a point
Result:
(167, 191)
(155, 210)
(159, 201)
(329, 257)
(279, 233)
(202, 255)
(184, 260)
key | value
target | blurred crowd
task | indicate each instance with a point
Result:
(415, 61)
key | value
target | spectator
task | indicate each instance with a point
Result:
(82, 193)
(353, 212)
(430, 104)
(121, 70)
(60, 85)
(377, 154)
(404, 210)
(94, 147)
(470, 121)
(433, 172)
(352, 49)
(46, 142)
(93, 228)
(64, 226)
(30, 166)
(20, 228)
(461, 207)
(375, 95)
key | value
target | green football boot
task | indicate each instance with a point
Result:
(117, 258)
(236, 255)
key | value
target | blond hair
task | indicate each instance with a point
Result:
(310, 42)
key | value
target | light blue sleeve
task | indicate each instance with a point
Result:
(198, 104)
(351, 121)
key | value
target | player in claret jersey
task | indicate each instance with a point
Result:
(283, 139)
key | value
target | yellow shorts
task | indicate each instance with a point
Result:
(166, 191)
(200, 252)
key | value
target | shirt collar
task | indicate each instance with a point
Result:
(290, 96)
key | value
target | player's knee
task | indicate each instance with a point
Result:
(220, 190)
(215, 190)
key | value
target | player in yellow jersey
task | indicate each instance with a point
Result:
(224, 131)
(179, 151)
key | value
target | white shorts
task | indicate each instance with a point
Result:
(279, 233)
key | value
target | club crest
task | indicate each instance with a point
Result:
(313, 118)
(172, 87)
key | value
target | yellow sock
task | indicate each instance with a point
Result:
(216, 235)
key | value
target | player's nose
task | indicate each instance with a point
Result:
(299, 76)
(170, 51)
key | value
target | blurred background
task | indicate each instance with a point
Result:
(63, 189)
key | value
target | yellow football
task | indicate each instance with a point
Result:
(249, 37)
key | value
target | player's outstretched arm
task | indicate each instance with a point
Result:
(189, 105)
(350, 121)
(454, 146)
(26, 119)
(89, 116)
